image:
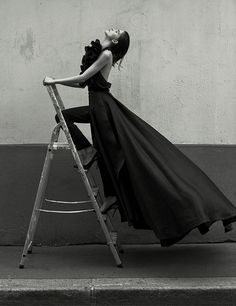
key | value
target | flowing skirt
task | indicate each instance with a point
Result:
(157, 186)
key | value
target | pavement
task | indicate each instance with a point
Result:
(183, 274)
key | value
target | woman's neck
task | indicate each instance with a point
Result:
(106, 44)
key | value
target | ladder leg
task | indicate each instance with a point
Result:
(109, 226)
(112, 230)
(39, 199)
(114, 234)
(108, 236)
(107, 218)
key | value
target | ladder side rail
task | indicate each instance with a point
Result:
(99, 197)
(45, 175)
(39, 196)
(56, 105)
(111, 228)
(58, 97)
(112, 232)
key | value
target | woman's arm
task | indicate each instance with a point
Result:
(102, 60)
(77, 85)
(49, 81)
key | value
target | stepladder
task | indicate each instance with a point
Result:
(95, 198)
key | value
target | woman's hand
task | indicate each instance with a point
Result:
(48, 81)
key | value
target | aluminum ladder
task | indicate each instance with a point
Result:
(93, 191)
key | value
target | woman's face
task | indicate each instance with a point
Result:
(113, 34)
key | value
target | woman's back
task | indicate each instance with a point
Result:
(105, 71)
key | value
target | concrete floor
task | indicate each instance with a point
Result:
(184, 274)
(142, 261)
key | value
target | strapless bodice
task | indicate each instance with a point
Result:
(98, 83)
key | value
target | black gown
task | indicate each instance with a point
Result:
(157, 186)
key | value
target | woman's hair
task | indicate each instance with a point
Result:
(119, 49)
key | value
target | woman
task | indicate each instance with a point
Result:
(81, 114)
(153, 183)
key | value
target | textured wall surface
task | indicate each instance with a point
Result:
(179, 74)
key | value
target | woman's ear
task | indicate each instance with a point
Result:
(115, 41)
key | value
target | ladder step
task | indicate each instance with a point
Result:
(68, 202)
(60, 145)
(66, 211)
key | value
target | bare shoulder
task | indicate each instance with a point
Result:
(107, 54)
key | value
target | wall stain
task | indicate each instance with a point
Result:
(26, 45)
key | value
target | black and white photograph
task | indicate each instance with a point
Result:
(118, 152)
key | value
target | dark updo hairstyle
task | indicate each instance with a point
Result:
(119, 49)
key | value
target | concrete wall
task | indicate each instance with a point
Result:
(179, 74)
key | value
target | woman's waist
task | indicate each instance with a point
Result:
(97, 89)
(97, 83)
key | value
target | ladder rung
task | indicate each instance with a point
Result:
(66, 211)
(68, 202)
(60, 145)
